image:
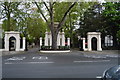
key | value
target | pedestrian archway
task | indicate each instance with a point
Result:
(12, 43)
(94, 43)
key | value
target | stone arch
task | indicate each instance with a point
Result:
(14, 34)
(90, 36)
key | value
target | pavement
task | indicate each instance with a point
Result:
(102, 54)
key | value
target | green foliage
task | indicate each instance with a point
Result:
(112, 12)
(60, 9)
(22, 17)
(9, 12)
(91, 20)
(12, 25)
(36, 27)
(112, 18)
(118, 35)
(75, 15)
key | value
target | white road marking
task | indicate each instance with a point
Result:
(8, 63)
(93, 61)
(99, 77)
(15, 58)
(29, 63)
(39, 62)
(41, 57)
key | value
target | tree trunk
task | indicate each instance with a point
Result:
(54, 39)
(8, 23)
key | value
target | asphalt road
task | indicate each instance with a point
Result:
(33, 64)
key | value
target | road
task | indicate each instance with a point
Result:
(33, 64)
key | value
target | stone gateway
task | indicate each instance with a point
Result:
(93, 41)
(12, 41)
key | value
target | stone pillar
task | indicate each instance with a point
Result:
(63, 39)
(46, 39)
(6, 39)
(89, 43)
(84, 44)
(68, 42)
(40, 42)
(24, 43)
(18, 44)
(50, 39)
(99, 44)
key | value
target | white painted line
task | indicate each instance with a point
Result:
(15, 58)
(39, 62)
(46, 57)
(9, 63)
(99, 77)
(33, 58)
(42, 57)
(93, 61)
(29, 63)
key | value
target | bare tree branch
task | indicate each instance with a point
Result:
(65, 15)
(41, 12)
(53, 3)
(51, 15)
(47, 7)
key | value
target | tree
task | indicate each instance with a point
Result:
(73, 20)
(30, 23)
(112, 18)
(12, 24)
(91, 20)
(36, 28)
(8, 10)
(51, 21)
